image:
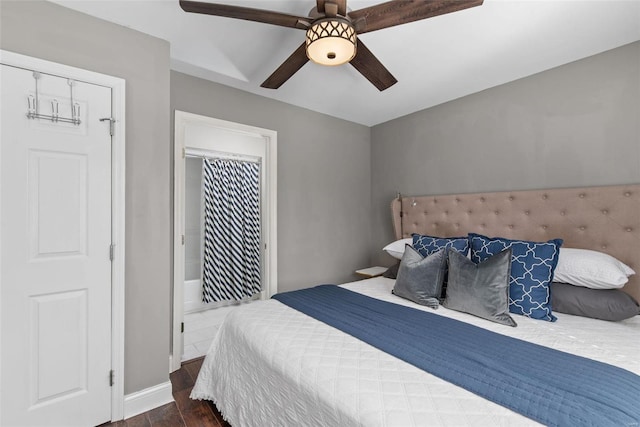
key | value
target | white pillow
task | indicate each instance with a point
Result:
(396, 249)
(591, 269)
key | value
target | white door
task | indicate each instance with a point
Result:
(55, 271)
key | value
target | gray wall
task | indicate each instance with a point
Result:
(54, 33)
(323, 180)
(575, 125)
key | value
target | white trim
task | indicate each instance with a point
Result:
(117, 86)
(118, 191)
(182, 119)
(147, 399)
(177, 343)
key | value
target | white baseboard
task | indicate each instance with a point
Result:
(147, 399)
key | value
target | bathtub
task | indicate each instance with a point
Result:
(193, 297)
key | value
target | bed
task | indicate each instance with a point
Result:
(273, 365)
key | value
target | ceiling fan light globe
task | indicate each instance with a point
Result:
(331, 42)
(331, 51)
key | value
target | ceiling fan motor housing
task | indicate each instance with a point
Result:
(331, 41)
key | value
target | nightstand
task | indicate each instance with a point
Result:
(371, 272)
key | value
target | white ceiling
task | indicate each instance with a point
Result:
(435, 60)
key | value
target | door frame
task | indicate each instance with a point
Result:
(117, 86)
(182, 120)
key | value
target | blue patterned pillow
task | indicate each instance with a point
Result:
(427, 245)
(532, 266)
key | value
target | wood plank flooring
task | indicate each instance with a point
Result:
(184, 412)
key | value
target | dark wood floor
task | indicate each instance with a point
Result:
(184, 412)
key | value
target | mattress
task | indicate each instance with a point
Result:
(272, 365)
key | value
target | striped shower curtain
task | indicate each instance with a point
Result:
(232, 258)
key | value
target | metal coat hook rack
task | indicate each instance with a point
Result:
(33, 103)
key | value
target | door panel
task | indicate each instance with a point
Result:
(55, 271)
(58, 203)
(59, 339)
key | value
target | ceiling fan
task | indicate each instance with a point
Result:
(332, 30)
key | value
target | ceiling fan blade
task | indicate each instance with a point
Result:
(287, 69)
(249, 14)
(372, 69)
(398, 12)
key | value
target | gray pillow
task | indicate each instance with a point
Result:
(480, 289)
(420, 278)
(604, 304)
(392, 272)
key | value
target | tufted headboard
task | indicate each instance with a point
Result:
(606, 219)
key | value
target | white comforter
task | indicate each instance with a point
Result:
(271, 365)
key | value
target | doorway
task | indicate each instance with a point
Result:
(62, 263)
(200, 140)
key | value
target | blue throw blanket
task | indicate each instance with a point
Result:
(546, 385)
